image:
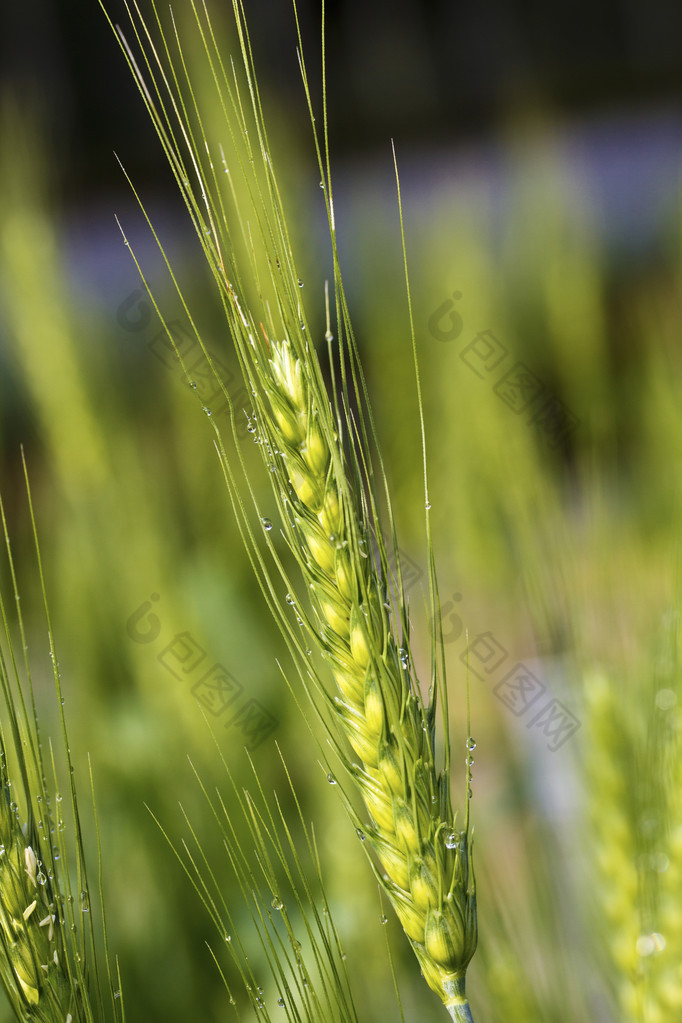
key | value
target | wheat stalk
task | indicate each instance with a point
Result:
(319, 456)
(634, 766)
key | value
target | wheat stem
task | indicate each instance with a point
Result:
(461, 1012)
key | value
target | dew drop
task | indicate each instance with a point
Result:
(469, 761)
(455, 840)
(666, 699)
(331, 779)
(404, 657)
(277, 903)
(117, 994)
(361, 835)
(300, 283)
(280, 1002)
(428, 505)
(290, 600)
(659, 862)
(649, 944)
(383, 920)
(267, 525)
(471, 743)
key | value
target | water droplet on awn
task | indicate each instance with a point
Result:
(267, 525)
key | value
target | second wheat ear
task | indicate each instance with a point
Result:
(320, 449)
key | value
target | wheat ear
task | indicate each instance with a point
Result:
(326, 501)
(34, 964)
(428, 877)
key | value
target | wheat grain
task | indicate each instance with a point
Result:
(429, 876)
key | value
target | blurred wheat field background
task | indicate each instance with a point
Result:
(546, 268)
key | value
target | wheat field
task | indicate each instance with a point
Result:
(357, 499)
